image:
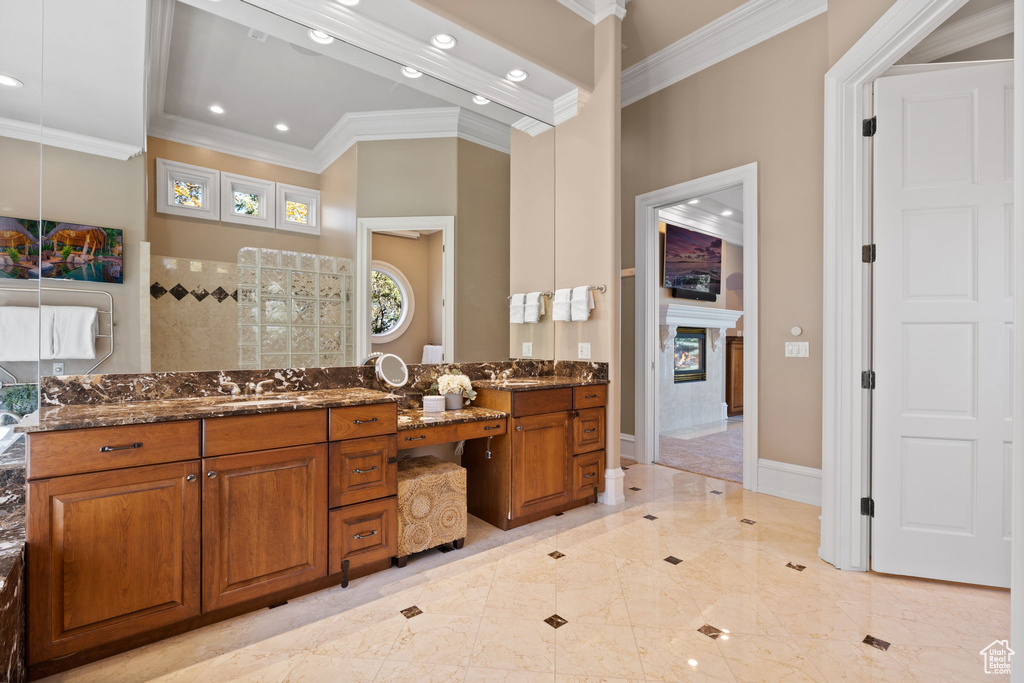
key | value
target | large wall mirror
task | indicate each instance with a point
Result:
(219, 187)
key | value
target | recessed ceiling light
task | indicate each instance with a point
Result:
(349, 3)
(693, 201)
(320, 37)
(216, 108)
(727, 212)
(10, 81)
(480, 99)
(516, 75)
(410, 72)
(283, 127)
(444, 41)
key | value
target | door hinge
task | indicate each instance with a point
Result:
(867, 507)
(867, 379)
(868, 253)
(870, 127)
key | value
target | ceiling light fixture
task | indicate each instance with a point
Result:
(410, 72)
(10, 81)
(444, 41)
(349, 3)
(481, 100)
(320, 37)
(693, 201)
(727, 212)
(216, 108)
(516, 75)
(283, 127)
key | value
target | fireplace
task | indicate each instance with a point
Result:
(690, 353)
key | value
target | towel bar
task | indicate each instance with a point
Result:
(544, 294)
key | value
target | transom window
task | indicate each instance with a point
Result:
(297, 212)
(188, 194)
(247, 203)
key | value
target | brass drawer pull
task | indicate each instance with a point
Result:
(360, 537)
(372, 469)
(416, 438)
(588, 476)
(107, 449)
(363, 422)
(589, 431)
(487, 429)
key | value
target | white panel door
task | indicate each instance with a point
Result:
(942, 324)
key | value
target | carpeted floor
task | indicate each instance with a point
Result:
(715, 455)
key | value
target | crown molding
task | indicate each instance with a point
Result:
(55, 137)
(569, 105)
(970, 31)
(158, 54)
(408, 124)
(744, 27)
(595, 11)
(361, 31)
(729, 230)
(531, 126)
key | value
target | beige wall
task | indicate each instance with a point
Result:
(338, 205)
(413, 258)
(652, 25)
(543, 31)
(481, 254)
(407, 178)
(848, 20)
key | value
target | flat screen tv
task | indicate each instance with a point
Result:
(61, 251)
(693, 264)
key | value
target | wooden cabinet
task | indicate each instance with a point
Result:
(734, 375)
(587, 475)
(540, 473)
(362, 469)
(364, 533)
(248, 433)
(111, 555)
(588, 430)
(264, 523)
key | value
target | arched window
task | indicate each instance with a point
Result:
(392, 302)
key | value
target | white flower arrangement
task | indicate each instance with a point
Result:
(456, 383)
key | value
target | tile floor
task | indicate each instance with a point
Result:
(670, 586)
(706, 429)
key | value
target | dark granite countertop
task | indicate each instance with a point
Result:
(536, 383)
(81, 416)
(12, 507)
(416, 418)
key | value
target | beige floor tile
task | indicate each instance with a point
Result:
(250, 666)
(597, 650)
(478, 674)
(852, 662)
(322, 669)
(942, 665)
(436, 639)
(519, 644)
(596, 603)
(521, 600)
(358, 633)
(768, 658)
(416, 672)
(670, 655)
(739, 613)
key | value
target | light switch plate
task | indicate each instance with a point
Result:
(527, 349)
(798, 350)
(58, 368)
(584, 353)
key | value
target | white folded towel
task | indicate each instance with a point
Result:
(560, 306)
(517, 309)
(432, 354)
(19, 333)
(582, 303)
(71, 331)
(534, 307)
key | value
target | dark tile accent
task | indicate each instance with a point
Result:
(747, 521)
(157, 290)
(717, 493)
(798, 567)
(876, 642)
(710, 631)
(234, 295)
(554, 621)
(200, 293)
(650, 517)
(672, 559)
(179, 292)
(220, 294)
(557, 555)
(410, 612)
(633, 488)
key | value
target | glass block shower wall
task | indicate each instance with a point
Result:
(294, 310)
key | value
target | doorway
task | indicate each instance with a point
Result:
(660, 317)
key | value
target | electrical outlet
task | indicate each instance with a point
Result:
(584, 353)
(58, 368)
(798, 350)
(527, 349)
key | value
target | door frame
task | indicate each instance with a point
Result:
(648, 340)
(365, 227)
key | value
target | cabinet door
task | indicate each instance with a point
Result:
(540, 467)
(111, 555)
(264, 523)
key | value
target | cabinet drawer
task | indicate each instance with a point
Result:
(430, 436)
(589, 397)
(587, 473)
(357, 422)
(247, 433)
(541, 401)
(363, 533)
(53, 454)
(588, 430)
(362, 469)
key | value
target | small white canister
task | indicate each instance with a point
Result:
(433, 404)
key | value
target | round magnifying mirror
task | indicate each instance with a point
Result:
(392, 370)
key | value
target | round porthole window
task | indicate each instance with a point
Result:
(391, 302)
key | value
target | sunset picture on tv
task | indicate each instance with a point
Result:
(693, 261)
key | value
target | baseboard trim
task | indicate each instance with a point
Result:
(627, 446)
(793, 482)
(614, 487)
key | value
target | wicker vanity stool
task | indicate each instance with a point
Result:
(431, 505)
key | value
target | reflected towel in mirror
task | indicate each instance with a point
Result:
(582, 303)
(19, 333)
(517, 309)
(561, 306)
(534, 307)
